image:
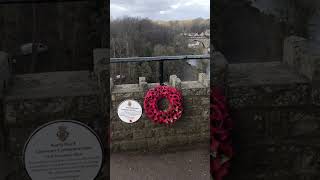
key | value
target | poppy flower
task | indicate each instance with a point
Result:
(172, 113)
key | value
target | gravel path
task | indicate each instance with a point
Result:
(186, 165)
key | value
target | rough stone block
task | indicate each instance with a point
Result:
(219, 69)
(142, 80)
(100, 59)
(111, 84)
(172, 78)
(204, 79)
(195, 97)
(5, 73)
(136, 145)
(148, 133)
(294, 50)
(177, 83)
(266, 84)
(121, 135)
(316, 96)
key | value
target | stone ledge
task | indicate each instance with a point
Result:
(266, 84)
(144, 135)
(52, 84)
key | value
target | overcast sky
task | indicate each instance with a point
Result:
(161, 9)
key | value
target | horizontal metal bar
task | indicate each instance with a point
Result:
(38, 1)
(159, 58)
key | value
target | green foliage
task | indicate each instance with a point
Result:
(131, 36)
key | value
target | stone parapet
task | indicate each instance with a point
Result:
(270, 84)
(303, 56)
(36, 99)
(101, 60)
(144, 135)
(219, 69)
(275, 109)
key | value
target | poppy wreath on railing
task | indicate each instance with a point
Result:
(221, 126)
(169, 115)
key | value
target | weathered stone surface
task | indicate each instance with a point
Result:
(304, 57)
(52, 84)
(219, 69)
(316, 95)
(5, 73)
(144, 135)
(35, 99)
(102, 72)
(266, 84)
(100, 59)
(5, 76)
(281, 161)
(295, 52)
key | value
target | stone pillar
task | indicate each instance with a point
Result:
(175, 81)
(101, 69)
(5, 72)
(316, 78)
(295, 55)
(101, 58)
(143, 83)
(219, 69)
(303, 56)
(204, 79)
(111, 84)
(5, 75)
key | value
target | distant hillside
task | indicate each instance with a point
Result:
(191, 25)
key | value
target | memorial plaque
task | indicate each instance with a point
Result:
(129, 111)
(64, 150)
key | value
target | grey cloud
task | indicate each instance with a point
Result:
(161, 9)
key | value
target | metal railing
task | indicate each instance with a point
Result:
(160, 59)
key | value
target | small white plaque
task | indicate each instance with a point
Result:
(129, 111)
(63, 150)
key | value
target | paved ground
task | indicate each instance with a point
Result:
(186, 165)
(3, 166)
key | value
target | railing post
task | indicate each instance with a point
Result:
(161, 72)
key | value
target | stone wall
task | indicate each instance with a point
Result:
(192, 129)
(303, 56)
(276, 114)
(32, 100)
(144, 135)
(5, 73)
(36, 99)
(5, 77)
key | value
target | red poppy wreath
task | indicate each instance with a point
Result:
(221, 126)
(169, 115)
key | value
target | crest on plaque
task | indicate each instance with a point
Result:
(62, 133)
(41, 150)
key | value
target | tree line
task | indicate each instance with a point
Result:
(142, 37)
(133, 36)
